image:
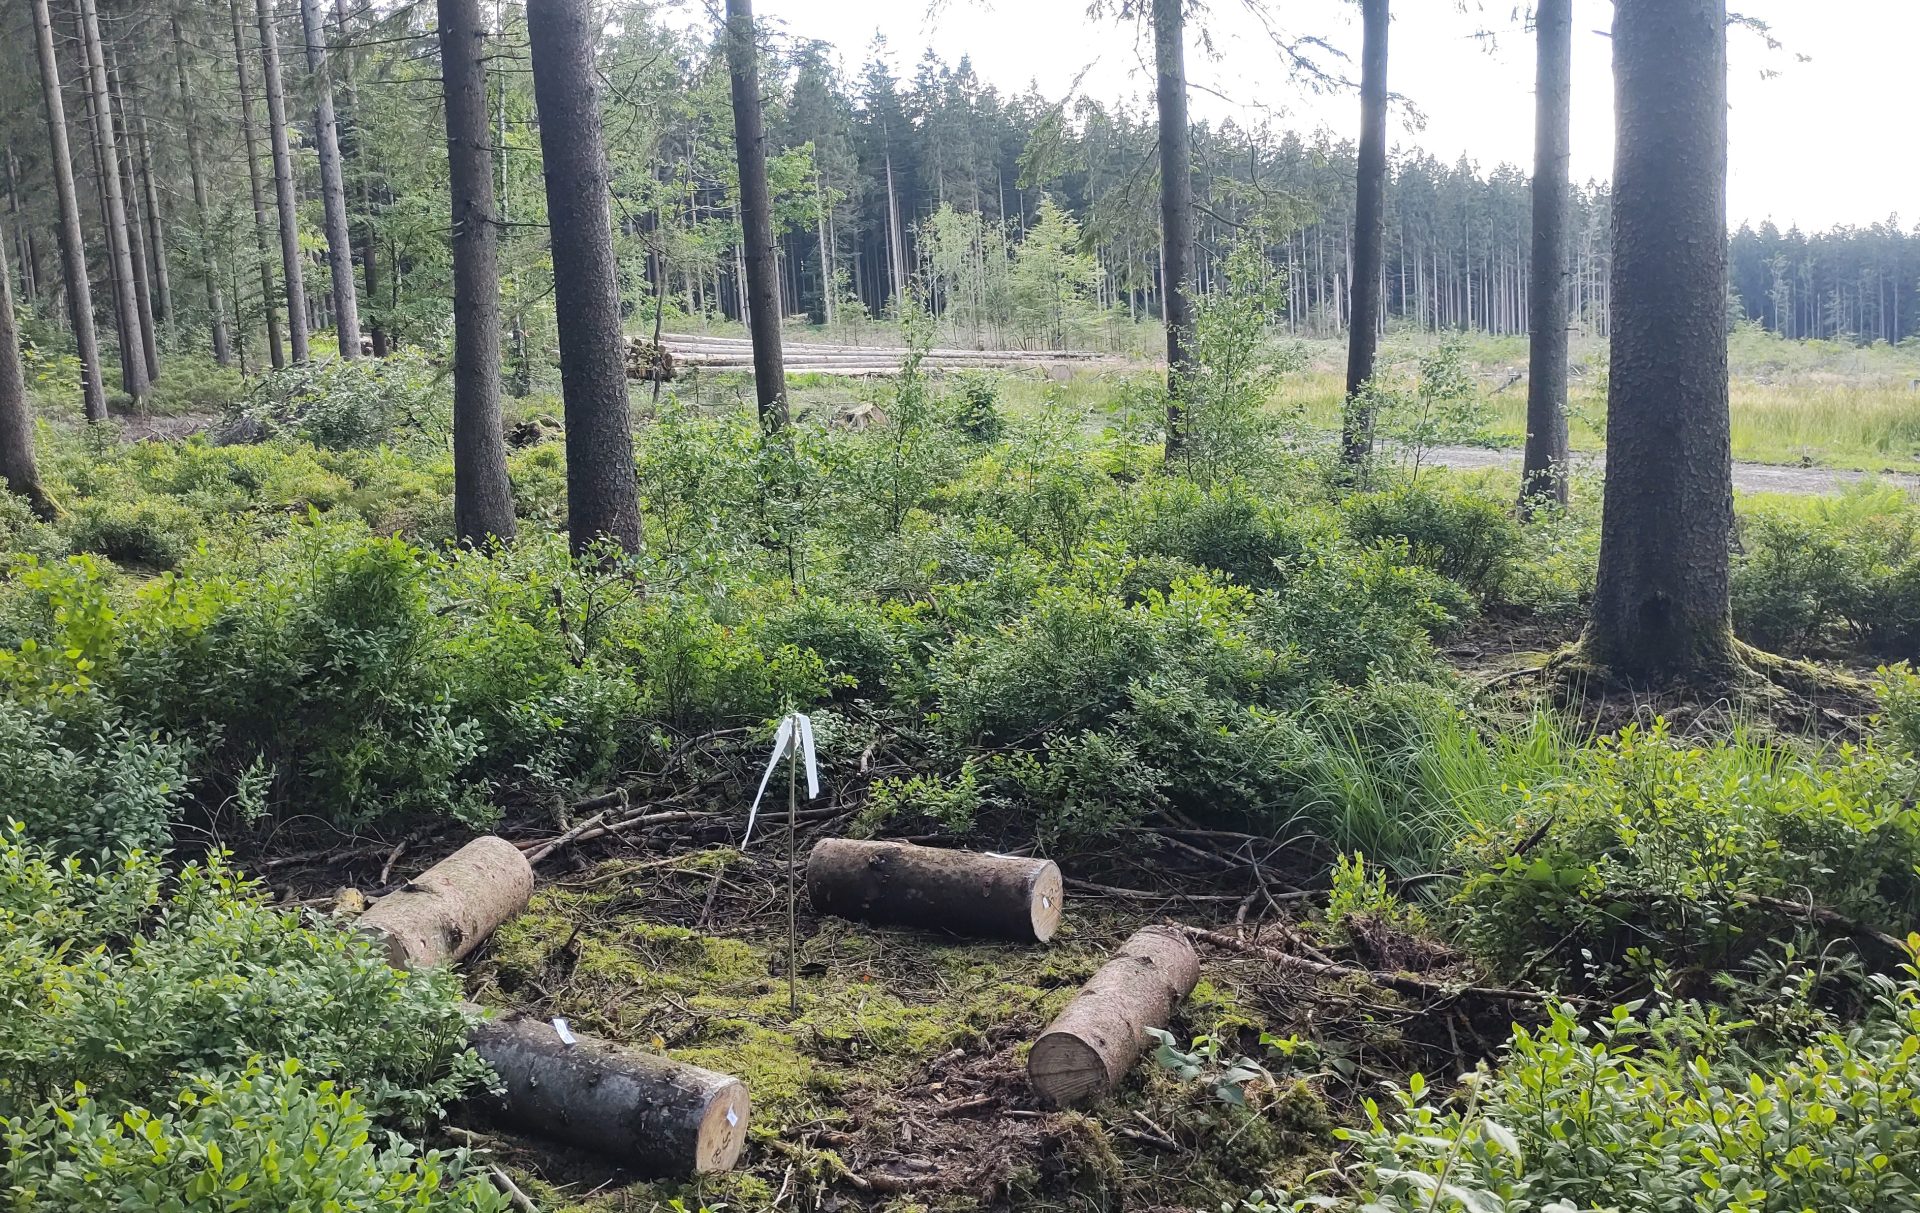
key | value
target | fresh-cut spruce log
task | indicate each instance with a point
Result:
(965, 892)
(1103, 1031)
(442, 914)
(649, 1114)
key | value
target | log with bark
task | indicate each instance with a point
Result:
(1101, 1034)
(965, 892)
(650, 1114)
(444, 913)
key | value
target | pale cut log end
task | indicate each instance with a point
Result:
(1065, 1070)
(723, 1130)
(1049, 901)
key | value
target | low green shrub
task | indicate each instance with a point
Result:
(86, 783)
(194, 383)
(151, 532)
(113, 984)
(1459, 534)
(1661, 1114)
(267, 1137)
(1827, 574)
(342, 405)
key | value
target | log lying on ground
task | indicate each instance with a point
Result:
(649, 1114)
(1103, 1031)
(965, 892)
(443, 913)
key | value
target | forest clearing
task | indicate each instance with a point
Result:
(608, 606)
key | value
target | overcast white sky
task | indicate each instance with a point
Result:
(1823, 142)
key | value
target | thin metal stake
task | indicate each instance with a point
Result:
(793, 849)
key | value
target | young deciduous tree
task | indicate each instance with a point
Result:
(1544, 475)
(482, 497)
(1369, 231)
(602, 497)
(1661, 608)
(756, 215)
(73, 248)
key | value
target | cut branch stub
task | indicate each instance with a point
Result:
(650, 1114)
(965, 892)
(446, 911)
(1103, 1031)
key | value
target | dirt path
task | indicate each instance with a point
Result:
(1747, 477)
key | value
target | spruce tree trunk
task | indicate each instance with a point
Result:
(482, 497)
(366, 236)
(135, 378)
(756, 204)
(1661, 606)
(197, 169)
(73, 249)
(829, 286)
(333, 185)
(18, 471)
(1369, 233)
(163, 312)
(602, 499)
(1543, 476)
(291, 272)
(122, 128)
(1176, 213)
(251, 139)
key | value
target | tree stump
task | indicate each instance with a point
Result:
(650, 1114)
(964, 892)
(1101, 1034)
(445, 912)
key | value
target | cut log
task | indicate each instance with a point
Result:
(965, 892)
(1103, 1031)
(442, 914)
(650, 1114)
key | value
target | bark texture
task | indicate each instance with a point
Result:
(756, 204)
(1661, 608)
(1369, 232)
(1101, 1034)
(251, 138)
(650, 1114)
(135, 378)
(964, 892)
(443, 913)
(145, 283)
(602, 498)
(73, 248)
(1176, 212)
(482, 497)
(333, 185)
(291, 272)
(18, 470)
(1543, 475)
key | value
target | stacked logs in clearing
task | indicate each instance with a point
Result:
(962, 892)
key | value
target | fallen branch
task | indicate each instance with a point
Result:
(1823, 916)
(1392, 981)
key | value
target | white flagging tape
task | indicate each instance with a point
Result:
(565, 1033)
(795, 728)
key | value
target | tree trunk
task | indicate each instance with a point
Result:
(1097, 1039)
(73, 248)
(1369, 234)
(333, 186)
(829, 286)
(650, 1114)
(1661, 606)
(756, 204)
(251, 139)
(18, 471)
(197, 169)
(136, 379)
(1544, 474)
(602, 501)
(482, 497)
(445, 912)
(163, 312)
(291, 271)
(1176, 213)
(144, 283)
(944, 890)
(367, 236)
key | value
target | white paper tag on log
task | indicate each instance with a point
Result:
(565, 1033)
(733, 1118)
(795, 730)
